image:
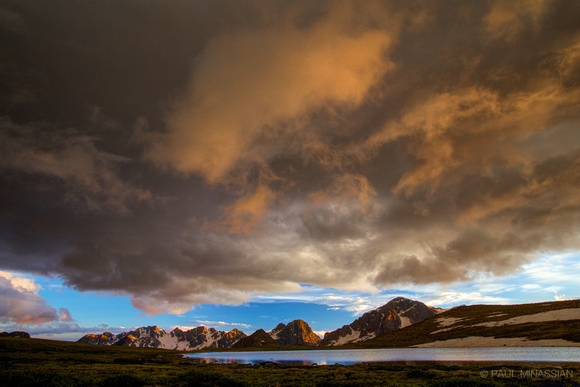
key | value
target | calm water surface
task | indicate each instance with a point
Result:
(354, 356)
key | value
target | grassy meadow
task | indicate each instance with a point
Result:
(36, 362)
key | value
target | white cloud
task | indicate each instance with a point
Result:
(554, 269)
(210, 324)
(20, 302)
(531, 287)
(64, 315)
(451, 298)
(320, 333)
(559, 297)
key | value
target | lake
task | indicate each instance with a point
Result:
(354, 356)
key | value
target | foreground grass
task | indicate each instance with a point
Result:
(34, 362)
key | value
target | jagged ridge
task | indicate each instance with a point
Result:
(154, 337)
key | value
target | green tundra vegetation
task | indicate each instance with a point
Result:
(36, 362)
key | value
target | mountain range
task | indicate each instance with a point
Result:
(396, 314)
(399, 323)
(193, 339)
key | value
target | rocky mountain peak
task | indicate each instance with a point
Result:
(150, 331)
(297, 332)
(234, 332)
(103, 338)
(398, 313)
(274, 332)
(399, 303)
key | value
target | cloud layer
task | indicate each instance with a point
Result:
(255, 88)
(215, 151)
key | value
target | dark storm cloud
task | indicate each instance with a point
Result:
(192, 152)
(90, 175)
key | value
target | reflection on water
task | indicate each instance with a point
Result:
(354, 356)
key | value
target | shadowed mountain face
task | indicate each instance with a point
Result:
(260, 338)
(396, 314)
(297, 332)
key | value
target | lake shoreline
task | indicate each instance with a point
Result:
(361, 356)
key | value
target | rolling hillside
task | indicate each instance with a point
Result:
(542, 324)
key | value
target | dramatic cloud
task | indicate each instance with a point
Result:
(254, 88)
(213, 152)
(21, 304)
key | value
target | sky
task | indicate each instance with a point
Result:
(237, 164)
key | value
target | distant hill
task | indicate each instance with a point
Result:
(541, 324)
(396, 314)
(23, 335)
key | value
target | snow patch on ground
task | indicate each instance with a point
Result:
(446, 321)
(183, 346)
(496, 314)
(553, 315)
(479, 341)
(168, 341)
(209, 340)
(365, 338)
(405, 322)
(346, 339)
(446, 329)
